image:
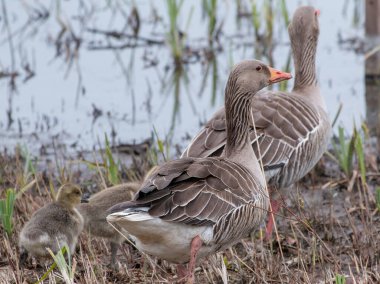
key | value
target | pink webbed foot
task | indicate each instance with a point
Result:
(183, 273)
(269, 228)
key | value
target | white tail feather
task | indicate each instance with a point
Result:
(129, 216)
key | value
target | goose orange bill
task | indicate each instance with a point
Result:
(278, 76)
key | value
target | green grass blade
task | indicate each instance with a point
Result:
(365, 130)
(46, 274)
(285, 13)
(337, 115)
(361, 157)
(112, 169)
(340, 150)
(342, 140)
(160, 144)
(340, 279)
(269, 19)
(214, 81)
(60, 261)
(6, 210)
(345, 151)
(211, 7)
(284, 84)
(255, 17)
(63, 266)
(175, 43)
(350, 154)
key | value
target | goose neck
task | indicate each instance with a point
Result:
(65, 203)
(238, 115)
(304, 54)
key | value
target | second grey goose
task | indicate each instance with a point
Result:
(293, 128)
(192, 207)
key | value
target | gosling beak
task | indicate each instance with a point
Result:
(278, 76)
(84, 200)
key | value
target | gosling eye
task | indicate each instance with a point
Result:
(259, 68)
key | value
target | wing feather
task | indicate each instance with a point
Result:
(199, 191)
(283, 123)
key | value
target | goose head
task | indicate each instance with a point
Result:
(245, 80)
(69, 195)
(250, 76)
(304, 25)
(304, 32)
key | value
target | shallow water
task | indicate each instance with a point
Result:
(77, 96)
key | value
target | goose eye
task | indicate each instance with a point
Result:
(259, 68)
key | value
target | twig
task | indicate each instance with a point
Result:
(371, 52)
(119, 35)
(110, 46)
(10, 39)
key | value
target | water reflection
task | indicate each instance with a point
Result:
(177, 78)
(211, 69)
(85, 68)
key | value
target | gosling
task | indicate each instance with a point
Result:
(53, 226)
(95, 212)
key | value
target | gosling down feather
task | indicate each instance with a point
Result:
(53, 226)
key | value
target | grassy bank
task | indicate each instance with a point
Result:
(327, 230)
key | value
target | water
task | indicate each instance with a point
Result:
(79, 95)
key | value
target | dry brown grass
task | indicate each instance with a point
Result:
(327, 226)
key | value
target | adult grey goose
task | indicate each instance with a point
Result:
(293, 128)
(192, 207)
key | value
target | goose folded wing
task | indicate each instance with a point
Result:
(282, 123)
(197, 191)
(211, 139)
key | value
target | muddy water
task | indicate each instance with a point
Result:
(72, 87)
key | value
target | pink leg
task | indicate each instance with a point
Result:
(181, 271)
(196, 244)
(269, 228)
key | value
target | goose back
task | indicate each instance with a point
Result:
(223, 195)
(287, 128)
